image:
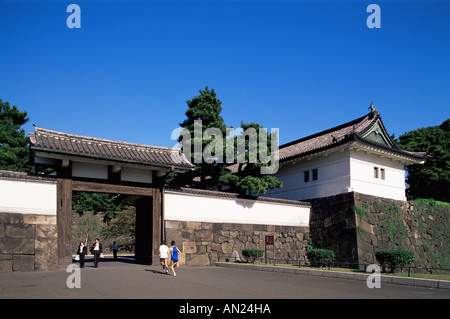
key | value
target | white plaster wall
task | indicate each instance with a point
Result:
(333, 177)
(363, 180)
(136, 175)
(81, 169)
(27, 197)
(188, 207)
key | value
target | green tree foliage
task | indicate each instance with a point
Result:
(104, 215)
(122, 229)
(431, 180)
(252, 253)
(320, 257)
(395, 258)
(86, 228)
(104, 203)
(248, 177)
(211, 173)
(14, 150)
(207, 108)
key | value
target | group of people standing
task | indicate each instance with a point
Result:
(96, 250)
(164, 252)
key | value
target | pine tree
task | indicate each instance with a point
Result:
(212, 170)
(248, 177)
(207, 108)
(14, 150)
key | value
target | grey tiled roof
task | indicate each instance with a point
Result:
(23, 176)
(324, 138)
(354, 130)
(350, 131)
(71, 144)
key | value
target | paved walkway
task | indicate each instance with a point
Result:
(386, 279)
(125, 279)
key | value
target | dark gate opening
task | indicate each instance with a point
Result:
(109, 217)
(148, 232)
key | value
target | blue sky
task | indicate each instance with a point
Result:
(300, 66)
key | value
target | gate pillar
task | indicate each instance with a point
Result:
(64, 221)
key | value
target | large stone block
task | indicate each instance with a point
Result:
(46, 231)
(189, 247)
(171, 224)
(203, 235)
(208, 226)
(300, 236)
(327, 222)
(226, 248)
(11, 218)
(365, 226)
(197, 260)
(16, 246)
(19, 231)
(5, 256)
(46, 254)
(39, 219)
(191, 225)
(23, 262)
(6, 266)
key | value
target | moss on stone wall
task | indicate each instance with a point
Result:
(373, 223)
(417, 227)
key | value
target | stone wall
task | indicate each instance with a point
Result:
(332, 226)
(391, 224)
(355, 226)
(204, 243)
(27, 242)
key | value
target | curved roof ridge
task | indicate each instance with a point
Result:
(338, 135)
(97, 139)
(333, 129)
(72, 144)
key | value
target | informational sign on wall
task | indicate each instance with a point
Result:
(269, 240)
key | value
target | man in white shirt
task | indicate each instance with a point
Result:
(96, 250)
(163, 250)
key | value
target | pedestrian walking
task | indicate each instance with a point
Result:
(174, 257)
(163, 255)
(96, 250)
(82, 251)
(115, 249)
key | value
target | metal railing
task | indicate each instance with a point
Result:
(344, 265)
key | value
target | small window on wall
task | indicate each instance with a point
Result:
(314, 174)
(311, 173)
(379, 173)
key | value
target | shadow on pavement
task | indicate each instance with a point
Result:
(125, 259)
(157, 272)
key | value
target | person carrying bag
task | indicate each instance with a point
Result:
(81, 253)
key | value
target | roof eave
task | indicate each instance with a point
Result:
(60, 154)
(316, 152)
(407, 157)
(354, 141)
